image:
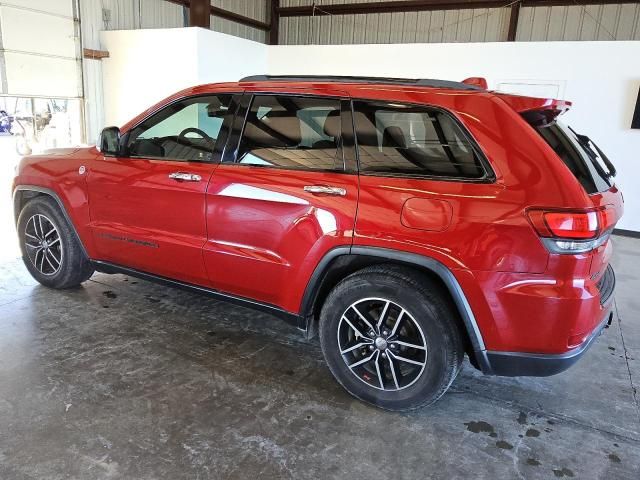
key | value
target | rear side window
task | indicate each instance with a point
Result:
(412, 140)
(293, 133)
(580, 155)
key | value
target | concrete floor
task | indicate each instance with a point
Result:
(126, 379)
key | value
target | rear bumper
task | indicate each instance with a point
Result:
(512, 364)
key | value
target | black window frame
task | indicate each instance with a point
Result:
(221, 141)
(489, 174)
(346, 144)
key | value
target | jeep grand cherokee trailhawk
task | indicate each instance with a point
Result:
(408, 222)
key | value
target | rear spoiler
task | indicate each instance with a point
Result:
(537, 111)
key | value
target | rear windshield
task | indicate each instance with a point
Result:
(583, 157)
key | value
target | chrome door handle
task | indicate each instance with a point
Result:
(325, 190)
(185, 177)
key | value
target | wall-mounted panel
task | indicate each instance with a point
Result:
(39, 49)
(56, 7)
(42, 76)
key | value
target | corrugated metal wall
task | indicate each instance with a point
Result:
(134, 14)
(593, 22)
(473, 25)
(596, 22)
(256, 9)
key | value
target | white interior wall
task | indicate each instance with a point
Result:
(145, 66)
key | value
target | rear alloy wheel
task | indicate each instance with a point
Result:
(390, 337)
(382, 344)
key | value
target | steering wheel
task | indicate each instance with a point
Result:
(183, 135)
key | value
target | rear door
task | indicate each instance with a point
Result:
(148, 206)
(285, 197)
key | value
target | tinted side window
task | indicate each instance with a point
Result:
(186, 130)
(581, 159)
(413, 140)
(292, 132)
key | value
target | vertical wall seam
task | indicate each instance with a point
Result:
(4, 85)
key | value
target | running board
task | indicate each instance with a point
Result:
(291, 318)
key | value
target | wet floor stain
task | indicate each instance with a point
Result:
(109, 294)
(522, 418)
(532, 432)
(534, 462)
(562, 472)
(614, 458)
(504, 445)
(480, 427)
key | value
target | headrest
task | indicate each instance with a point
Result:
(394, 137)
(332, 124)
(274, 130)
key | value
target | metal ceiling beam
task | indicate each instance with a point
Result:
(227, 15)
(427, 5)
(513, 22)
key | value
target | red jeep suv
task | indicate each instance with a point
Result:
(407, 222)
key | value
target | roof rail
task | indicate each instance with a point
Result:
(418, 82)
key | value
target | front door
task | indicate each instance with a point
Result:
(147, 206)
(283, 199)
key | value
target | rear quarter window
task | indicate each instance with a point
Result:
(582, 160)
(396, 139)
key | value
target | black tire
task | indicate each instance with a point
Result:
(74, 267)
(430, 317)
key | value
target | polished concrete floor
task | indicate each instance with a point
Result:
(126, 379)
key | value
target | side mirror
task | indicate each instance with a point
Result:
(109, 141)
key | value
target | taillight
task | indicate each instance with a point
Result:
(582, 225)
(572, 231)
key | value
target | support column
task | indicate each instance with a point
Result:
(199, 14)
(274, 23)
(513, 22)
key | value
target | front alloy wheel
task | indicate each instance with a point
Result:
(50, 248)
(43, 244)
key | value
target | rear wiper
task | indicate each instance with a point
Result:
(586, 142)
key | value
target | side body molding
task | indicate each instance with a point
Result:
(428, 263)
(46, 191)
